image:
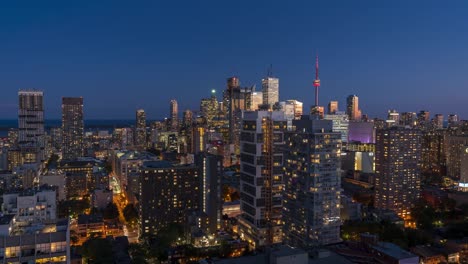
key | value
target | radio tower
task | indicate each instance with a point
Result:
(316, 81)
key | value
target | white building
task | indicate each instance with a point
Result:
(31, 205)
(38, 243)
(55, 178)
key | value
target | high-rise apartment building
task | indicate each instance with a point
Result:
(270, 91)
(140, 129)
(211, 172)
(167, 193)
(236, 100)
(31, 139)
(332, 107)
(397, 165)
(352, 108)
(72, 128)
(174, 114)
(262, 141)
(311, 212)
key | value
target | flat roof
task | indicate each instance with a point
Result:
(393, 251)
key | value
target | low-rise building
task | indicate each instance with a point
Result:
(31, 205)
(100, 198)
(45, 242)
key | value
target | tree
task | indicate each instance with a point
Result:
(95, 210)
(72, 207)
(424, 215)
(98, 250)
(111, 211)
(138, 253)
(130, 213)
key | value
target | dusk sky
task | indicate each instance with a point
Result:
(125, 55)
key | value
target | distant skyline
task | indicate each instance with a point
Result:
(122, 56)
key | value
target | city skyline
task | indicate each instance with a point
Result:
(86, 51)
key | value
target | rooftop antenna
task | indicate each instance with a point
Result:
(270, 71)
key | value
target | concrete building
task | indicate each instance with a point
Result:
(311, 211)
(397, 168)
(167, 193)
(31, 136)
(31, 205)
(211, 168)
(140, 129)
(55, 178)
(46, 242)
(72, 128)
(127, 168)
(262, 138)
(28, 173)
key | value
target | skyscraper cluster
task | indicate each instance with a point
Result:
(248, 165)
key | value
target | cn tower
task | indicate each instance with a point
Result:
(316, 81)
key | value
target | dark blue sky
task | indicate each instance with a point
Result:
(124, 55)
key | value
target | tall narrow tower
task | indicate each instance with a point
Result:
(316, 81)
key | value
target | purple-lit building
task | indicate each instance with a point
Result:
(363, 132)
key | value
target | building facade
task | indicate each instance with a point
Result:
(270, 91)
(311, 212)
(262, 139)
(174, 115)
(31, 138)
(397, 168)
(72, 128)
(167, 193)
(352, 108)
(140, 129)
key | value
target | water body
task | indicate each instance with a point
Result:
(90, 125)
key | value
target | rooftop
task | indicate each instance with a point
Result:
(6, 219)
(393, 251)
(89, 219)
(164, 164)
(33, 191)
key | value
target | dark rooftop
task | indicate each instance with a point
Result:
(89, 219)
(6, 219)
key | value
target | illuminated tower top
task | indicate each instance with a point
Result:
(317, 80)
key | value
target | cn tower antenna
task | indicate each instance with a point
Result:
(317, 81)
